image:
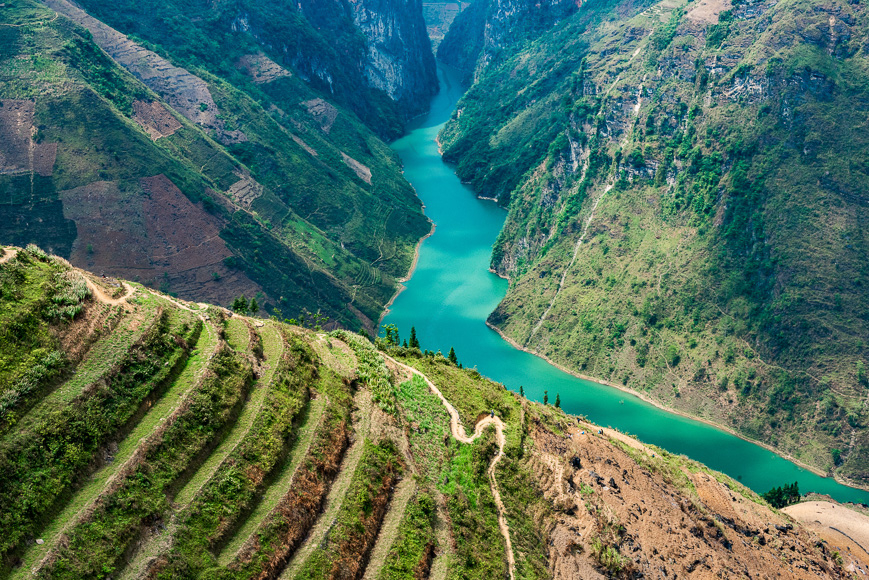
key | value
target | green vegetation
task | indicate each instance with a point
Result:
(372, 369)
(232, 488)
(354, 530)
(60, 443)
(96, 544)
(309, 229)
(415, 545)
(779, 497)
(702, 281)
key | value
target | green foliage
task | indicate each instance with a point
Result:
(415, 539)
(361, 512)
(239, 480)
(372, 369)
(97, 543)
(47, 459)
(240, 305)
(414, 341)
(663, 35)
(779, 497)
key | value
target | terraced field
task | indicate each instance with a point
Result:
(182, 441)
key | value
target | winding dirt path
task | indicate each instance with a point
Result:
(458, 431)
(101, 295)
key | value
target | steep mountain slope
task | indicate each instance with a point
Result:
(177, 440)
(687, 191)
(486, 33)
(372, 56)
(148, 166)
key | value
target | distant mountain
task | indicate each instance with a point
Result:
(146, 437)
(217, 150)
(687, 190)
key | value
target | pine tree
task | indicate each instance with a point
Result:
(557, 401)
(545, 397)
(521, 391)
(240, 305)
(414, 343)
(452, 356)
(254, 307)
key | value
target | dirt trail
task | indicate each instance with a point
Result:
(101, 295)
(8, 254)
(458, 431)
(338, 491)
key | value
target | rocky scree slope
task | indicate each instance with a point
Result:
(200, 166)
(146, 437)
(686, 193)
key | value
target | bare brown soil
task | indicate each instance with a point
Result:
(846, 530)
(19, 153)
(160, 238)
(261, 69)
(646, 511)
(707, 11)
(155, 119)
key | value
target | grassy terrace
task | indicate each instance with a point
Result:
(237, 334)
(352, 532)
(282, 481)
(240, 476)
(280, 533)
(158, 412)
(96, 543)
(102, 358)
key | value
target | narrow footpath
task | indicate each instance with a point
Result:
(458, 432)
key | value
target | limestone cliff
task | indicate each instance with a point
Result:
(399, 60)
(673, 174)
(379, 44)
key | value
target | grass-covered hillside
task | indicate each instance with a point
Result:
(146, 437)
(687, 192)
(208, 172)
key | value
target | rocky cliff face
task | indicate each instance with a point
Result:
(379, 44)
(482, 34)
(398, 58)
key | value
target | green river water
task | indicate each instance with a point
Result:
(452, 292)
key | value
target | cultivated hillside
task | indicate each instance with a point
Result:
(188, 159)
(687, 192)
(146, 437)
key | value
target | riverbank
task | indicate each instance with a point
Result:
(408, 276)
(645, 398)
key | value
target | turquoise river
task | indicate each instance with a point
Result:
(451, 293)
